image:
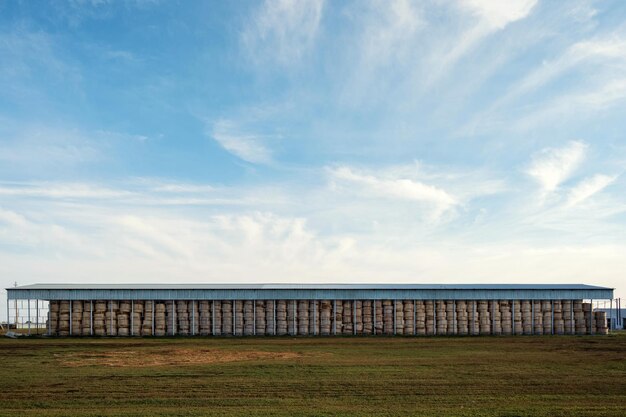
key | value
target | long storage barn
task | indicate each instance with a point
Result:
(311, 310)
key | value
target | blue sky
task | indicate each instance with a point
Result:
(313, 141)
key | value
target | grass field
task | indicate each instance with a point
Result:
(489, 376)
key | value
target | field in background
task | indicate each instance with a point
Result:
(511, 376)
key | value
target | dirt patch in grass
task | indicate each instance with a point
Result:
(169, 357)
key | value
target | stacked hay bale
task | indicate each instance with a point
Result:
(314, 317)
(559, 324)
(546, 308)
(194, 318)
(408, 317)
(579, 318)
(517, 317)
(238, 315)
(387, 317)
(325, 317)
(338, 317)
(170, 319)
(205, 318)
(450, 317)
(377, 316)
(358, 324)
(281, 317)
(420, 317)
(590, 322)
(99, 318)
(136, 317)
(216, 315)
(399, 317)
(473, 317)
(259, 315)
(64, 318)
(496, 317)
(227, 318)
(147, 318)
(484, 319)
(53, 318)
(303, 317)
(527, 325)
(429, 306)
(270, 323)
(442, 320)
(248, 317)
(111, 318)
(601, 325)
(292, 317)
(538, 318)
(368, 318)
(506, 317)
(460, 317)
(77, 317)
(348, 313)
(160, 319)
(567, 313)
(123, 318)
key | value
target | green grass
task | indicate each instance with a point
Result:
(488, 376)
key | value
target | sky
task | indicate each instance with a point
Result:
(473, 141)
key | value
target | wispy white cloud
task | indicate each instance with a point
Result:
(246, 146)
(588, 187)
(495, 14)
(283, 31)
(552, 166)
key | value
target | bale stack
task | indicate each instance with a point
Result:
(601, 325)
(238, 315)
(473, 317)
(559, 324)
(77, 318)
(227, 318)
(506, 317)
(64, 319)
(194, 317)
(494, 312)
(292, 317)
(546, 309)
(216, 316)
(160, 319)
(538, 318)
(368, 317)
(484, 319)
(387, 318)
(170, 320)
(442, 321)
(461, 317)
(429, 306)
(590, 322)
(450, 317)
(53, 317)
(99, 318)
(248, 317)
(358, 324)
(260, 318)
(146, 322)
(399, 317)
(205, 318)
(527, 325)
(123, 318)
(517, 317)
(346, 318)
(325, 317)
(377, 316)
(338, 317)
(111, 318)
(270, 325)
(408, 316)
(420, 317)
(303, 317)
(568, 320)
(579, 318)
(136, 316)
(281, 317)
